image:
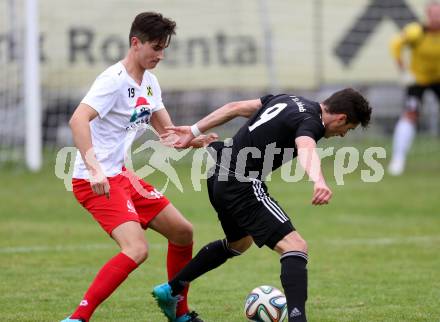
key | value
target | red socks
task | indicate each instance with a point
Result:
(106, 281)
(177, 258)
(116, 270)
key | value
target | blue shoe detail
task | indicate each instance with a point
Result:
(166, 302)
(68, 319)
(183, 318)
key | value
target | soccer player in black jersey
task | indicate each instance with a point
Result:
(280, 128)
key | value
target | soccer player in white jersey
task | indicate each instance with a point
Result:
(122, 101)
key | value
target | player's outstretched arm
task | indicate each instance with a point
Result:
(203, 140)
(182, 137)
(218, 117)
(161, 122)
(310, 161)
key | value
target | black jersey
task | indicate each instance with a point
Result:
(267, 140)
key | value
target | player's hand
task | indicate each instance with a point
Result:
(321, 194)
(169, 138)
(203, 140)
(99, 183)
(400, 64)
(183, 133)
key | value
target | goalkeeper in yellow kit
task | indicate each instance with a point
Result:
(422, 73)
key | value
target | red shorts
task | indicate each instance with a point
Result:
(131, 199)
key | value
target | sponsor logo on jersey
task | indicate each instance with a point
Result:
(149, 91)
(141, 114)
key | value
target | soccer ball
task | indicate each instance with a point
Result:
(265, 304)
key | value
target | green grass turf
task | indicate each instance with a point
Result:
(374, 251)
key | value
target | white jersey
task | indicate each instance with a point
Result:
(124, 109)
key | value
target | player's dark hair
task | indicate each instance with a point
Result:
(152, 26)
(351, 103)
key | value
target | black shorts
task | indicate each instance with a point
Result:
(414, 96)
(245, 208)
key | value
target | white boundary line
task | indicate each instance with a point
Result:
(384, 241)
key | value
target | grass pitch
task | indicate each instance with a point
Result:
(374, 251)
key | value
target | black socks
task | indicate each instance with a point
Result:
(294, 281)
(209, 257)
